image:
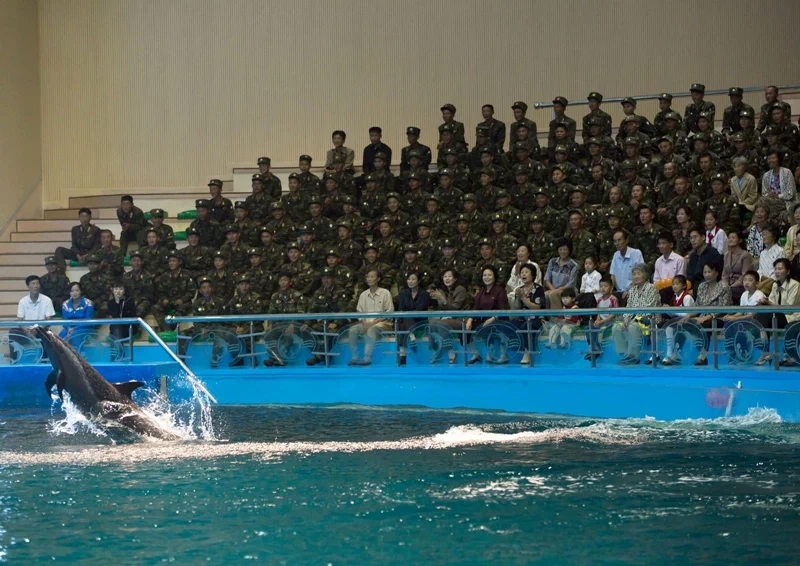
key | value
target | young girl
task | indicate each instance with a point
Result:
(562, 330)
(590, 281)
(751, 297)
(607, 300)
(715, 236)
(682, 298)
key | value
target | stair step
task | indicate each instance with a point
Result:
(10, 310)
(109, 213)
(49, 237)
(15, 284)
(13, 296)
(24, 259)
(66, 225)
(146, 201)
(48, 248)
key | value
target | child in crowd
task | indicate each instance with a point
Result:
(682, 298)
(561, 331)
(751, 297)
(715, 236)
(590, 281)
(607, 300)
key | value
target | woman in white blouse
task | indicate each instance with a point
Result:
(766, 260)
(778, 182)
(524, 253)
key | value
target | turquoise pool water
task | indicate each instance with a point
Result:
(360, 485)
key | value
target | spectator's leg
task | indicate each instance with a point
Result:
(634, 340)
(620, 338)
(553, 299)
(369, 344)
(354, 331)
(62, 255)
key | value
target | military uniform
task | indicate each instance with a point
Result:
(238, 260)
(55, 286)
(566, 120)
(140, 286)
(693, 110)
(324, 230)
(208, 229)
(441, 155)
(85, 240)
(765, 117)
(283, 230)
(221, 209)
(450, 199)
(603, 118)
(659, 121)
(390, 250)
(171, 288)
(136, 222)
(583, 245)
(350, 252)
(313, 252)
(514, 126)
(197, 260)
(501, 267)
(242, 305)
(689, 201)
(223, 284)
(424, 151)
(456, 127)
(154, 260)
(730, 116)
(97, 288)
(263, 281)
(542, 247)
(111, 260)
(296, 204)
(401, 224)
(166, 235)
(302, 275)
(413, 202)
(466, 245)
(259, 206)
(327, 300)
(647, 242)
(553, 219)
(249, 233)
(386, 271)
(597, 192)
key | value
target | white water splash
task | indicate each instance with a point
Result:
(461, 436)
(74, 421)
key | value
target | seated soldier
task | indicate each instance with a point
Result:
(140, 285)
(330, 297)
(300, 272)
(285, 301)
(154, 255)
(310, 184)
(166, 235)
(96, 286)
(195, 258)
(221, 277)
(248, 228)
(235, 250)
(131, 221)
(206, 304)
(54, 284)
(85, 240)
(208, 228)
(372, 261)
(244, 302)
(310, 249)
(175, 290)
(111, 257)
(220, 208)
(263, 280)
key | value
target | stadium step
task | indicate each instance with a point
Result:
(72, 214)
(13, 284)
(48, 237)
(32, 247)
(23, 259)
(171, 202)
(9, 310)
(66, 225)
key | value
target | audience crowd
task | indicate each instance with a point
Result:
(666, 209)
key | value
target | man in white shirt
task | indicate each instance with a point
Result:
(373, 300)
(625, 258)
(668, 265)
(34, 305)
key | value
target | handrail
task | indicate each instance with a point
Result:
(538, 105)
(484, 314)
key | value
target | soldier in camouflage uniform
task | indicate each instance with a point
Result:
(221, 277)
(286, 300)
(389, 246)
(312, 251)
(730, 116)
(541, 243)
(698, 105)
(235, 250)
(552, 218)
(643, 124)
(466, 240)
(560, 189)
(583, 242)
(771, 97)
(496, 128)
(449, 196)
(683, 199)
(54, 284)
(504, 244)
(401, 220)
(346, 278)
(373, 200)
(371, 261)
(599, 187)
(310, 184)
(324, 230)
(577, 201)
(748, 130)
(460, 172)
(263, 280)
(487, 257)
(111, 257)
(512, 216)
(646, 235)
(166, 235)
(244, 302)
(523, 192)
(248, 229)
(300, 272)
(742, 148)
(206, 304)
(96, 286)
(195, 259)
(559, 107)
(486, 195)
(427, 247)
(450, 259)
(282, 227)
(349, 250)
(175, 290)
(413, 201)
(206, 226)
(352, 216)
(273, 253)
(140, 285)
(415, 167)
(332, 198)
(616, 205)
(664, 108)
(258, 203)
(771, 142)
(451, 125)
(666, 154)
(440, 222)
(448, 141)
(520, 109)
(424, 152)
(717, 143)
(595, 100)
(329, 298)
(673, 129)
(272, 185)
(295, 203)
(411, 264)
(725, 206)
(220, 208)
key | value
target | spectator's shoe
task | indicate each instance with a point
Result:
(402, 360)
(650, 361)
(365, 362)
(701, 362)
(451, 357)
(501, 361)
(526, 360)
(763, 360)
(354, 362)
(787, 362)
(313, 360)
(269, 363)
(669, 362)
(474, 360)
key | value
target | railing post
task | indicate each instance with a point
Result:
(714, 340)
(529, 339)
(464, 341)
(325, 343)
(653, 341)
(592, 339)
(130, 341)
(397, 341)
(775, 363)
(253, 347)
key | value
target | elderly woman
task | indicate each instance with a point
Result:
(792, 247)
(755, 237)
(778, 185)
(630, 330)
(711, 293)
(737, 262)
(562, 272)
(449, 296)
(743, 185)
(529, 296)
(524, 254)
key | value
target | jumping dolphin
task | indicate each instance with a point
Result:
(91, 393)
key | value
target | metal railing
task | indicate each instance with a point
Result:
(538, 105)
(525, 326)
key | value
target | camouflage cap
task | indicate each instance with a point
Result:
(338, 158)
(371, 246)
(576, 211)
(498, 217)
(629, 164)
(257, 177)
(203, 280)
(254, 251)
(470, 196)
(522, 125)
(215, 183)
(449, 107)
(594, 121)
(561, 148)
(294, 176)
(412, 131)
(242, 278)
(488, 171)
(410, 249)
(447, 243)
(487, 149)
(135, 253)
(449, 151)
(446, 173)
(595, 96)
(314, 200)
(231, 228)
(202, 203)
(772, 130)
(93, 258)
(371, 178)
(631, 140)
(629, 119)
(738, 137)
(424, 222)
(292, 246)
(594, 141)
(157, 213)
(697, 87)
(327, 272)
(414, 176)
(334, 178)
(380, 155)
(746, 113)
(433, 198)
(486, 242)
(502, 193)
(305, 229)
(522, 146)
(347, 199)
(344, 224)
(665, 139)
(264, 161)
(220, 254)
(305, 157)
(414, 153)
(462, 218)
(50, 260)
(277, 205)
(719, 177)
(332, 252)
(672, 116)
(701, 136)
(393, 195)
(174, 254)
(735, 91)
(446, 128)
(482, 130)
(665, 96)
(628, 100)
(387, 219)
(521, 105)
(241, 204)
(192, 231)
(706, 115)
(562, 125)
(263, 229)
(578, 189)
(560, 100)
(536, 217)
(540, 190)
(520, 169)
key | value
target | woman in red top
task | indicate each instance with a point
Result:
(491, 297)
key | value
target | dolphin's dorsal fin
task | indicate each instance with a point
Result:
(55, 377)
(128, 387)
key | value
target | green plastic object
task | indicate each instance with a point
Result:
(168, 336)
(74, 263)
(147, 216)
(180, 236)
(187, 215)
(127, 261)
(782, 241)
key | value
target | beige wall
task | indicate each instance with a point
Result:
(169, 93)
(20, 126)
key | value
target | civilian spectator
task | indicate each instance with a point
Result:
(772, 251)
(120, 306)
(348, 155)
(562, 273)
(710, 293)
(560, 333)
(450, 296)
(683, 222)
(607, 300)
(751, 297)
(412, 298)
(744, 187)
(529, 295)
(669, 264)
(702, 253)
(755, 240)
(622, 263)
(490, 297)
(681, 297)
(374, 300)
(85, 240)
(54, 284)
(524, 254)
(785, 292)
(778, 182)
(792, 247)
(34, 305)
(736, 263)
(629, 332)
(590, 280)
(77, 307)
(715, 235)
